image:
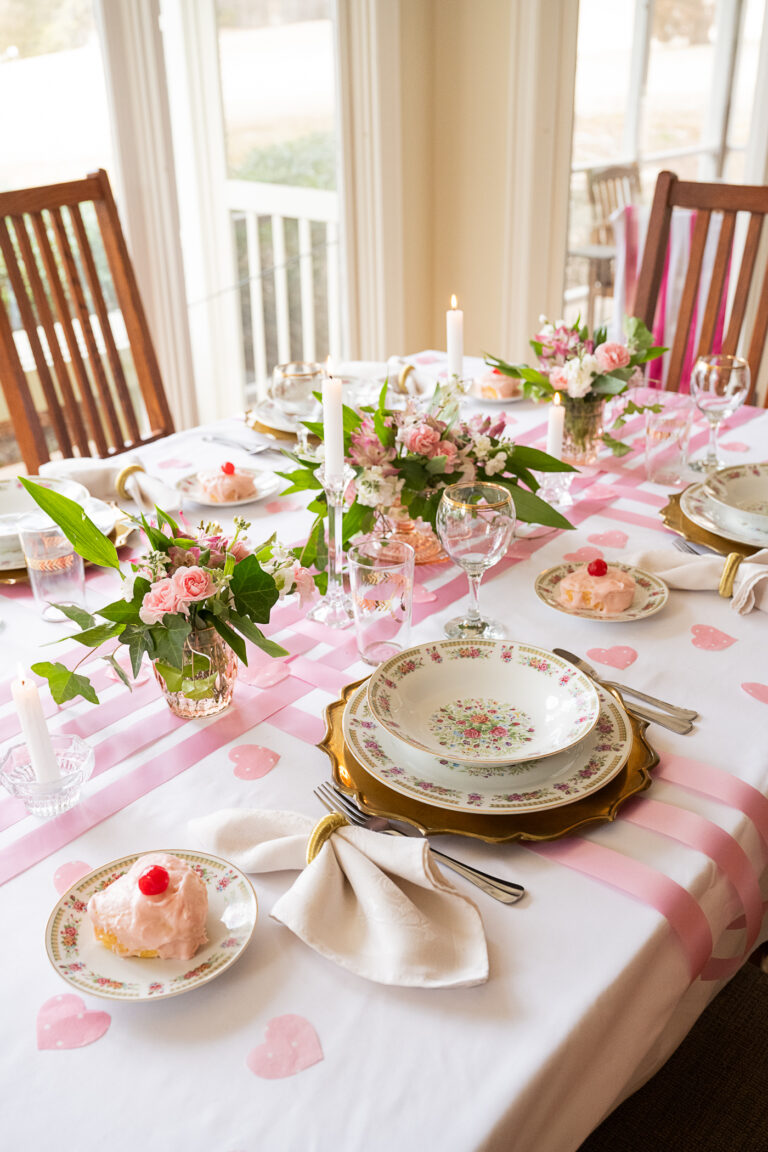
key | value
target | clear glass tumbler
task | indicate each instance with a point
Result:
(55, 570)
(381, 579)
(666, 439)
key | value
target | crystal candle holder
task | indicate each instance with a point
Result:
(75, 759)
(335, 608)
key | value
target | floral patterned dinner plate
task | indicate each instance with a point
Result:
(267, 484)
(483, 701)
(88, 966)
(529, 786)
(651, 593)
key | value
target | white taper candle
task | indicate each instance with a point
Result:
(333, 425)
(555, 423)
(34, 729)
(454, 339)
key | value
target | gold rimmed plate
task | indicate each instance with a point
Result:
(378, 799)
(675, 519)
(651, 593)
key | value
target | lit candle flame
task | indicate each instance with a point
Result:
(556, 398)
(20, 673)
(329, 367)
(454, 303)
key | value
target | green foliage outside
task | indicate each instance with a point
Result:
(304, 162)
(36, 27)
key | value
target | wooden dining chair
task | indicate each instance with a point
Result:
(77, 365)
(711, 203)
(608, 189)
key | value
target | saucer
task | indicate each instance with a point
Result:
(267, 484)
(651, 594)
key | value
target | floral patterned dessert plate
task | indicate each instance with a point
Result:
(267, 484)
(483, 701)
(651, 593)
(87, 965)
(529, 786)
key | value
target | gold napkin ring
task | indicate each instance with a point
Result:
(730, 568)
(404, 374)
(123, 476)
(323, 831)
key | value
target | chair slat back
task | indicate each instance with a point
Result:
(710, 202)
(69, 275)
(610, 188)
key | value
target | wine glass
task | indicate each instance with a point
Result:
(475, 523)
(719, 385)
(292, 391)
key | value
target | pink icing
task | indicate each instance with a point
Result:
(171, 924)
(609, 594)
(493, 385)
(223, 488)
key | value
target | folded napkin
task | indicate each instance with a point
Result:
(100, 478)
(374, 904)
(703, 573)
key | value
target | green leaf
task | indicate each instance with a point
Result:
(159, 541)
(534, 458)
(436, 465)
(299, 481)
(608, 386)
(533, 510)
(65, 684)
(230, 637)
(168, 639)
(78, 615)
(514, 370)
(197, 665)
(618, 447)
(92, 637)
(164, 518)
(120, 672)
(127, 611)
(198, 689)
(254, 590)
(255, 635)
(87, 540)
(138, 640)
(172, 676)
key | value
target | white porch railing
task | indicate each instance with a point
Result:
(282, 327)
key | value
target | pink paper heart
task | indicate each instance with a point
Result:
(613, 539)
(283, 505)
(65, 1022)
(266, 676)
(68, 874)
(422, 594)
(620, 656)
(291, 1045)
(584, 555)
(252, 761)
(759, 691)
(599, 492)
(710, 639)
(735, 446)
(174, 463)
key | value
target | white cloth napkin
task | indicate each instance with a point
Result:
(702, 573)
(99, 477)
(377, 905)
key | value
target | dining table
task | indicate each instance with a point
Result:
(628, 928)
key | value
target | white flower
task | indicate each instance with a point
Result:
(580, 373)
(496, 464)
(374, 489)
(482, 446)
(128, 584)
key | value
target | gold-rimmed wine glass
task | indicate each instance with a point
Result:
(719, 385)
(475, 523)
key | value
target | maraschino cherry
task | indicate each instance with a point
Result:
(597, 568)
(228, 468)
(154, 880)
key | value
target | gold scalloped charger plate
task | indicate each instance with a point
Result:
(675, 519)
(378, 799)
(87, 965)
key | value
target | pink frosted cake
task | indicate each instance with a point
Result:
(597, 588)
(493, 385)
(157, 908)
(227, 484)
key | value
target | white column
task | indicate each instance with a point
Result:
(145, 187)
(542, 69)
(214, 295)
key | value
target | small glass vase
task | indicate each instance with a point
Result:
(583, 429)
(214, 682)
(394, 523)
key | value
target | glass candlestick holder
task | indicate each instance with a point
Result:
(335, 608)
(555, 488)
(47, 798)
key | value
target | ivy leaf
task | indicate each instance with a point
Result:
(255, 635)
(197, 689)
(230, 637)
(254, 590)
(168, 639)
(78, 615)
(92, 637)
(172, 676)
(138, 640)
(618, 447)
(86, 539)
(65, 684)
(120, 672)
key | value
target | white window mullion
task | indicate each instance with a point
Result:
(256, 297)
(638, 78)
(282, 311)
(715, 132)
(307, 290)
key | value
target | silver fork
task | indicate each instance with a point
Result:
(335, 801)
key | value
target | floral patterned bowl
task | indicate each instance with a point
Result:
(483, 701)
(740, 494)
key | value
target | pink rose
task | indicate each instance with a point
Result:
(445, 448)
(305, 585)
(161, 598)
(192, 585)
(240, 550)
(611, 356)
(558, 379)
(421, 439)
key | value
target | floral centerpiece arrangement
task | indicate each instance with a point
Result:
(586, 371)
(189, 604)
(403, 458)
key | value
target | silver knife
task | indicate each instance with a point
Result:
(674, 718)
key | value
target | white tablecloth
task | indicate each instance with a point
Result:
(589, 989)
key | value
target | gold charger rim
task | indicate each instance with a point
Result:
(676, 520)
(376, 799)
